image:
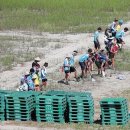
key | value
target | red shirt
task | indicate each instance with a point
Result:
(114, 49)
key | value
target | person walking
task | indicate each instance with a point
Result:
(72, 64)
(66, 67)
(96, 39)
(44, 74)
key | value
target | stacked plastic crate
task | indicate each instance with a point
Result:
(114, 111)
(81, 107)
(50, 108)
(19, 106)
(2, 107)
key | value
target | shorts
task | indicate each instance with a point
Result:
(67, 71)
(44, 80)
(99, 63)
(111, 55)
(96, 45)
(119, 40)
(82, 65)
(72, 69)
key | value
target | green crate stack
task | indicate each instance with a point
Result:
(50, 108)
(2, 107)
(114, 111)
(81, 107)
(19, 106)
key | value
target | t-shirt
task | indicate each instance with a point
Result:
(113, 27)
(102, 58)
(36, 81)
(71, 61)
(66, 64)
(29, 82)
(43, 73)
(120, 34)
(96, 36)
(114, 48)
(118, 27)
(84, 58)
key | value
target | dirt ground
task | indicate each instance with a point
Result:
(103, 87)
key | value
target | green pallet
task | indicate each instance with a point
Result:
(117, 101)
(51, 112)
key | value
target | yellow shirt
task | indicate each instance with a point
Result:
(36, 81)
(118, 27)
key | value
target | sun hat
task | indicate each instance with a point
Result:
(37, 59)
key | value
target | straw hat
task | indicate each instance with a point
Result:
(37, 59)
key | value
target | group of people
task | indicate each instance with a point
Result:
(102, 58)
(36, 78)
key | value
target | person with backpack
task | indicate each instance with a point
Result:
(111, 30)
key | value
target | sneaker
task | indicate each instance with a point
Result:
(78, 79)
(67, 83)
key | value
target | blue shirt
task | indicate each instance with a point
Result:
(71, 61)
(84, 58)
(102, 57)
(120, 34)
(30, 83)
(66, 64)
(96, 36)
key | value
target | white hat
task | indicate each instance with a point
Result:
(37, 59)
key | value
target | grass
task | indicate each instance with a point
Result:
(15, 50)
(123, 60)
(61, 15)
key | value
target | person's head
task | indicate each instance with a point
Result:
(115, 20)
(120, 22)
(75, 53)
(46, 64)
(37, 59)
(90, 52)
(126, 29)
(99, 29)
(32, 71)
